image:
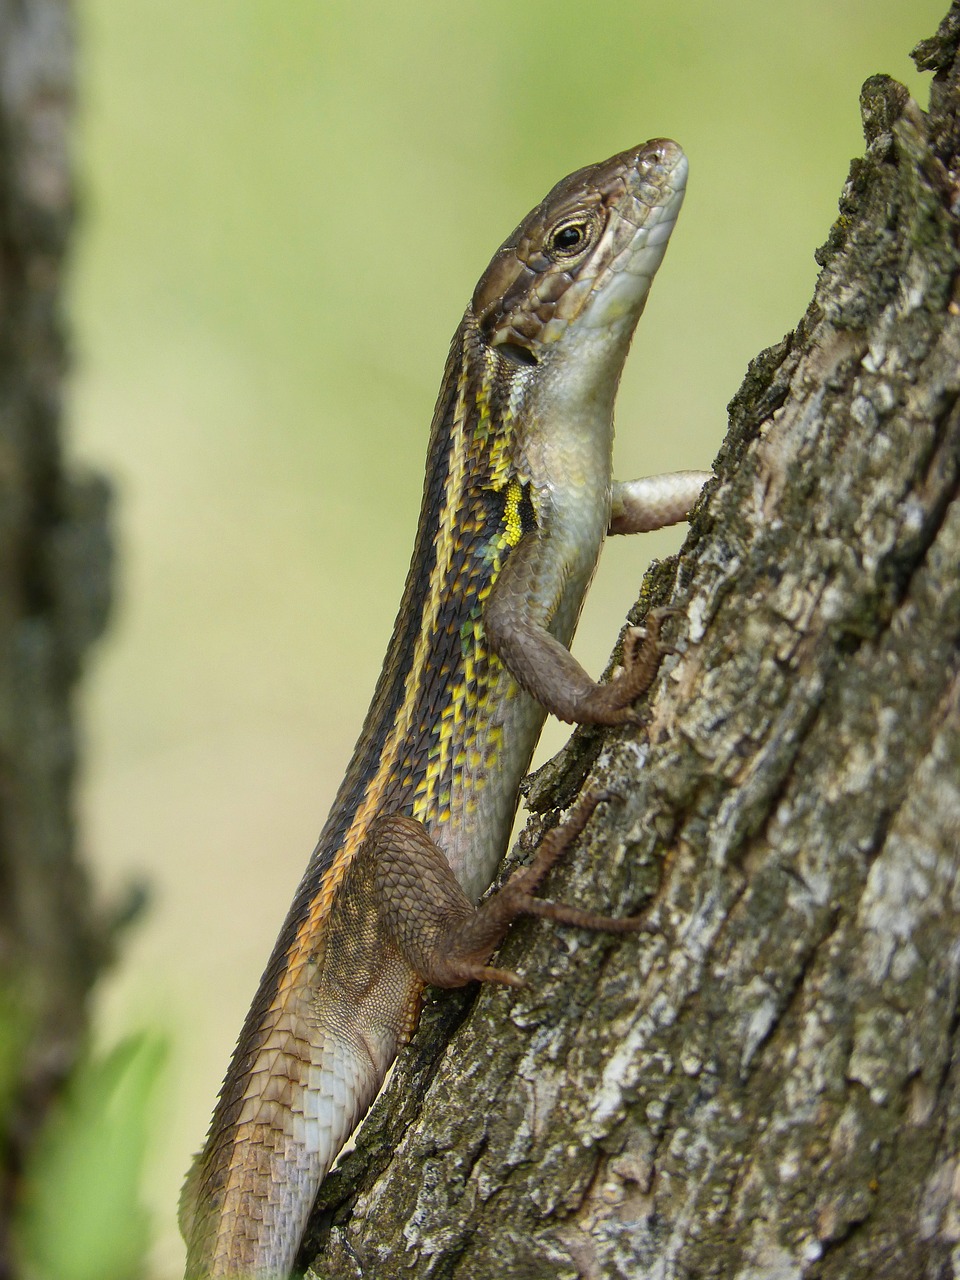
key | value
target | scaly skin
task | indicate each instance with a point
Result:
(517, 500)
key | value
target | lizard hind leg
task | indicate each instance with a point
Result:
(439, 932)
(423, 910)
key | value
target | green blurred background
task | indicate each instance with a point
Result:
(286, 207)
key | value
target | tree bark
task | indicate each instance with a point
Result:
(54, 589)
(767, 1082)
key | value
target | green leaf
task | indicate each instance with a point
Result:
(81, 1216)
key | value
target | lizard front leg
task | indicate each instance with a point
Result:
(655, 502)
(517, 630)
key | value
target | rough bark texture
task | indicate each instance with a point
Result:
(54, 570)
(767, 1084)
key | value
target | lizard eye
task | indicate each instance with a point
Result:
(570, 238)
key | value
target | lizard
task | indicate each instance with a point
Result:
(518, 497)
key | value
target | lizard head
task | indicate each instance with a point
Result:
(584, 258)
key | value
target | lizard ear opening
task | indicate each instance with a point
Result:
(516, 354)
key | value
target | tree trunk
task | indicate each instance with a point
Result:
(767, 1083)
(54, 573)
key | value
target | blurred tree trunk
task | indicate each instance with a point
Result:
(54, 571)
(768, 1083)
